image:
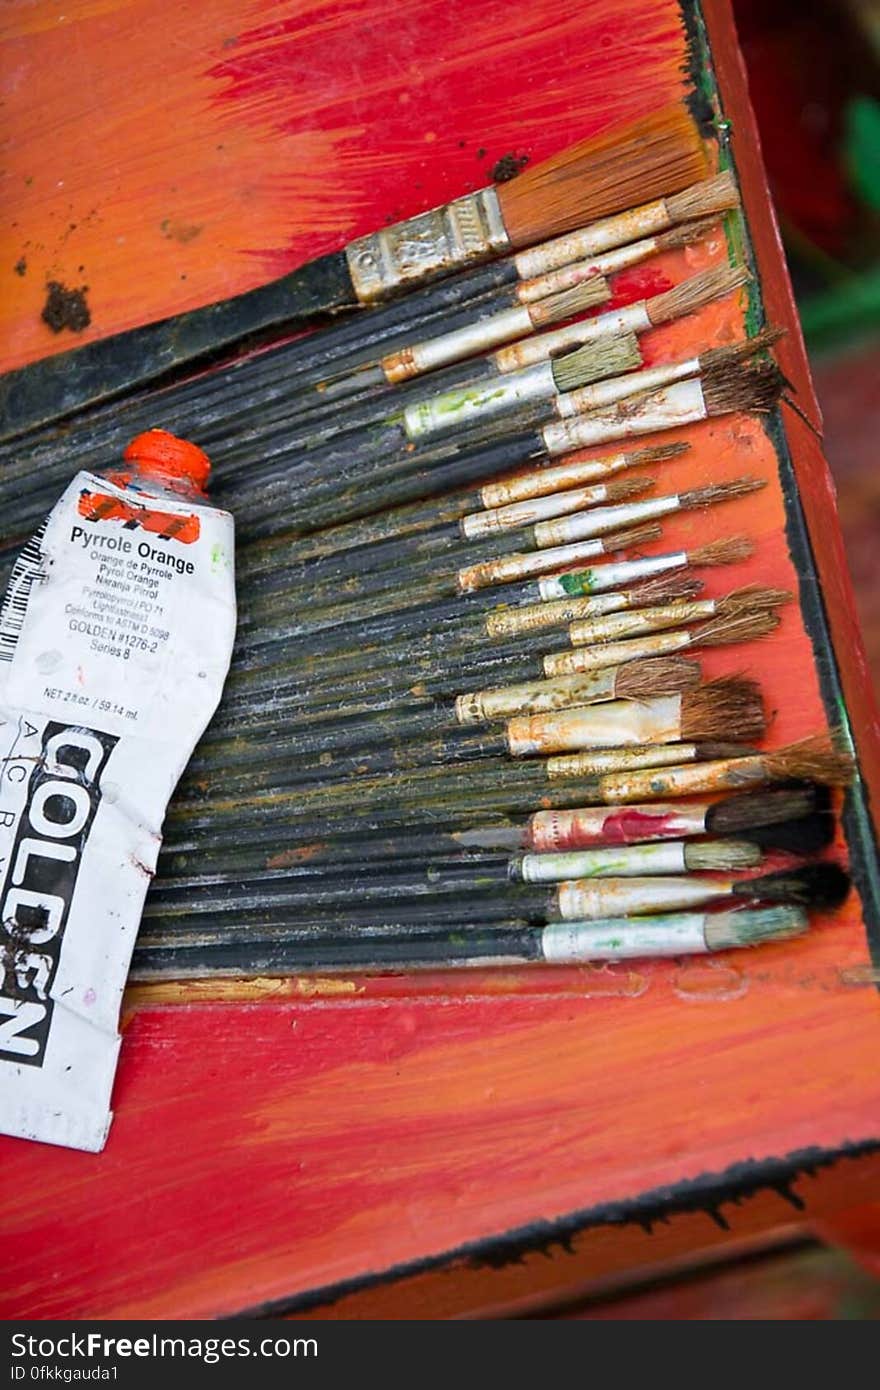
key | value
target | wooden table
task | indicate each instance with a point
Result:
(432, 1147)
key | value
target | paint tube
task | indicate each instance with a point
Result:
(115, 639)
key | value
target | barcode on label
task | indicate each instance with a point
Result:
(27, 570)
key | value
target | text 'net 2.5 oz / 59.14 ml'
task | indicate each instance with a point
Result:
(116, 635)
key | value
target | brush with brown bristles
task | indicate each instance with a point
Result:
(658, 155)
(657, 618)
(729, 628)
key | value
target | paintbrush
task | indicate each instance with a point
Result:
(654, 157)
(333, 855)
(473, 946)
(735, 626)
(480, 760)
(429, 900)
(615, 626)
(339, 748)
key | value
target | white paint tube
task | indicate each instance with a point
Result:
(115, 639)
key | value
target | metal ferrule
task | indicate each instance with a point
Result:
(614, 653)
(617, 897)
(618, 723)
(470, 341)
(618, 388)
(569, 276)
(469, 230)
(613, 231)
(639, 620)
(622, 762)
(520, 514)
(681, 404)
(632, 319)
(507, 568)
(534, 697)
(556, 830)
(540, 482)
(727, 774)
(602, 521)
(609, 576)
(535, 617)
(455, 410)
(617, 938)
(621, 861)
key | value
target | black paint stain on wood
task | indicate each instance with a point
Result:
(66, 308)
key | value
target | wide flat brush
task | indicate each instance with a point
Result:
(650, 158)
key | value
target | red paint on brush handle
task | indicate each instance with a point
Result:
(560, 830)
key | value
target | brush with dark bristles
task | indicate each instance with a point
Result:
(346, 746)
(475, 946)
(395, 769)
(614, 777)
(793, 821)
(656, 156)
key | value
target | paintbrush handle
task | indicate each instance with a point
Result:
(108, 367)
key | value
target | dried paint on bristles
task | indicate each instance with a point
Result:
(692, 294)
(823, 886)
(594, 361)
(714, 856)
(733, 627)
(720, 492)
(751, 809)
(714, 195)
(808, 835)
(731, 551)
(567, 303)
(814, 759)
(639, 680)
(754, 388)
(655, 157)
(719, 707)
(726, 931)
(656, 453)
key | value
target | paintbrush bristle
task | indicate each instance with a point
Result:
(603, 358)
(686, 234)
(720, 492)
(568, 303)
(664, 589)
(740, 351)
(637, 535)
(714, 195)
(621, 488)
(620, 168)
(808, 835)
(692, 294)
(734, 627)
(708, 856)
(720, 707)
(657, 453)
(750, 809)
(731, 551)
(753, 596)
(754, 388)
(754, 926)
(823, 886)
(671, 675)
(814, 759)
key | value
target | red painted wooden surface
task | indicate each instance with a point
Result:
(308, 1133)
